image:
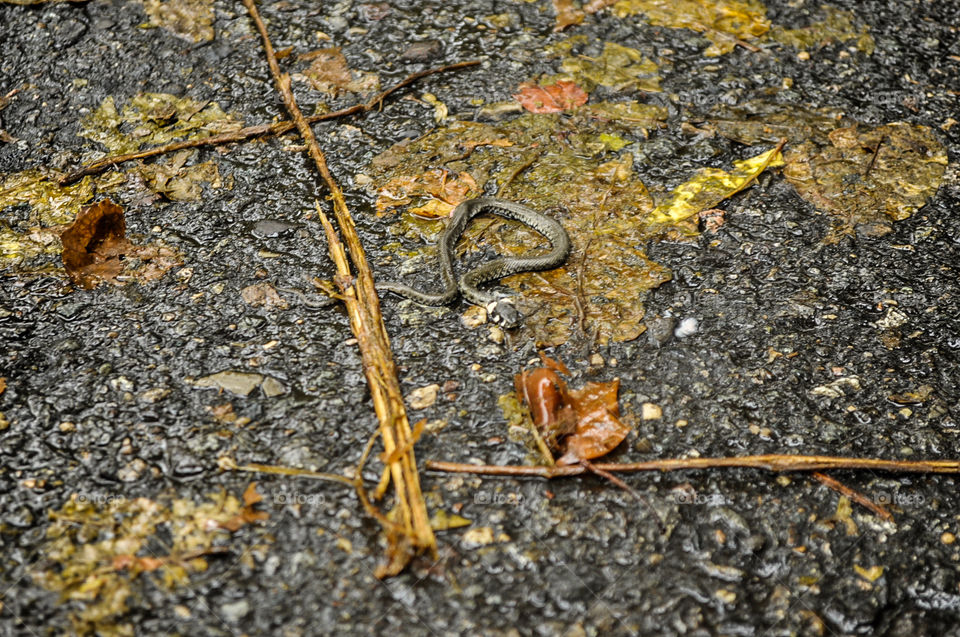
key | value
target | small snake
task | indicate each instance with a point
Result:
(500, 309)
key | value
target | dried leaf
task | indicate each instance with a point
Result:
(92, 555)
(710, 186)
(445, 192)
(152, 119)
(263, 295)
(95, 249)
(561, 96)
(599, 429)
(582, 424)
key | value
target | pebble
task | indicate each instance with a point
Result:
(422, 51)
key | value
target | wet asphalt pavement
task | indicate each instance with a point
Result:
(779, 315)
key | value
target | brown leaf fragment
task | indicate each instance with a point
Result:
(441, 190)
(554, 98)
(250, 495)
(599, 429)
(3, 384)
(263, 295)
(94, 243)
(568, 14)
(329, 73)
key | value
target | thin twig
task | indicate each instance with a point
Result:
(856, 496)
(776, 463)
(293, 471)
(277, 128)
(873, 159)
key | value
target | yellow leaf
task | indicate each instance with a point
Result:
(711, 186)
(870, 574)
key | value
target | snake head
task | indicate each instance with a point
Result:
(503, 313)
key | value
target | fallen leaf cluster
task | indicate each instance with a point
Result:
(97, 550)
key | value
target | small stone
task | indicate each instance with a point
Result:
(596, 360)
(154, 394)
(948, 538)
(480, 536)
(423, 397)
(234, 611)
(422, 51)
(651, 411)
(132, 471)
(687, 327)
(496, 334)
(272, 387)
(67, 427)
(239, 383)
(473, 317)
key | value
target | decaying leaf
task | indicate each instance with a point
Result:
(189, 19)
(98, 547)
(554, 98)
(263, 295)
(330, 74)
(838, 25)
(95, 249)
(94, 243)
(757, 122)
(618, 67)
(723, 22)
(581, 424)
(568, 14)
(176, 181)
(710, 186)
(868, 177)
(153, 119)
(439, 191)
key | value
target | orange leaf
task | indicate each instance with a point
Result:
(550, 99)
(250, 495)
(599, 429)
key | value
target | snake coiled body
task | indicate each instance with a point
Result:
(501, 309)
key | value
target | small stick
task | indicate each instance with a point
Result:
(856, 496)
(293, 471)
(873, 159)
(776, 463)
(278, 128)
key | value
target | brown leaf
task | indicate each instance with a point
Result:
(329, 73)
(554, 98)
(444, 192)
(263, 295)
(567, 14)
(93, 244)
(250, 495)
(599, 429)
(582, 423)
(3, 384)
